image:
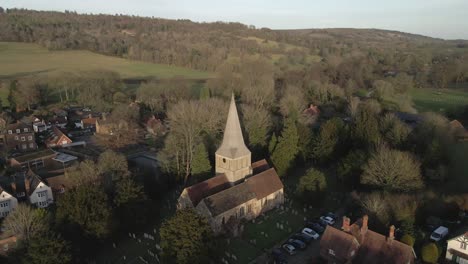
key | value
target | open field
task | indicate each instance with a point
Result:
(438, 100)
(23, 59)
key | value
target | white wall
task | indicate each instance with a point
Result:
(42, 196)
(8, 202)
(455, 244)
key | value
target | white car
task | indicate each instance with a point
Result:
(310, 233)
(328, 220)
(290, 249)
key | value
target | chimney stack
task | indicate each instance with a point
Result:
(346, 224)
(365, 220)
(391, 233)
(13, 186)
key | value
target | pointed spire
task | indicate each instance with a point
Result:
(233, 145)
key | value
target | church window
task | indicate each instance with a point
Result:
(249, 208)
(224, 160)
(242, 211)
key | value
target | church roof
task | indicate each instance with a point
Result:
(233, 145)
(264, 183)
(208, 187)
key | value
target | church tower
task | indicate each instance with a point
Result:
(233, 158)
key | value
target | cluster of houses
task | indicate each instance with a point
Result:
(39, 150)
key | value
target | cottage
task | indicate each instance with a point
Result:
(56, 138)
(7, 202)
(356, 243)
(30, 185)
(20, 136)
(457, 251)
(241, 190)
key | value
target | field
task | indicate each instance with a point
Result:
(438, 100)
(23, 59)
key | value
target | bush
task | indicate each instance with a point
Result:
(430, 253)
(408, 240)
(313, 183)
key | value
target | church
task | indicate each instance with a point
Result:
(240, 190)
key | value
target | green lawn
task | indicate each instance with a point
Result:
(23, 59)
(438, 100)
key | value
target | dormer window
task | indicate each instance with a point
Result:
(20, 194)
(463, 245)
(26, 130)
(18, 131)
(331, 252)
(10, 132)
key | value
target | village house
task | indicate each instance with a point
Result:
(241, 190)
(154, 126)
(356, 243)
(457, 250)
(20, 136)
(56, 138)
(7, 202)
(30, 185)
(47, 123)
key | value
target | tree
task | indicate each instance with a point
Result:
(48, 248)
(112, 167)
(292, 102)
(313, 181)
(430, 253)
(393, 130)
(25, 222)
(257, 124)
(365, 129)
(408, 240)
(351, 166)
(285, 150)
(326, 143)
(392, 170)
(127, 191)
(201, 167)
(87, 206)
(185, 237)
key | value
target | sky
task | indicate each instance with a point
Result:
(446, 19)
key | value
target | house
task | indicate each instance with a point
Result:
(56, 138)
(105, 126)
(7, 202)
(241, 190)
(87, 123)
(457, 251)
(155, 126)
(20, 136)
(33, 187)
(47, 123)
(356, 243)
(34, 160)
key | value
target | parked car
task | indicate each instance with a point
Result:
(439, 233)
(290, 249)
(332, 215)
(328, 220)
(311, 233)
(304, 238)
(278, 256)
(297, 243)
(315, 226)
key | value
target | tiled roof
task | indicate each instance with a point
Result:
(341, 243)
(35, 155)
(264, 183)
(260, 166)
(229, 198)
(206, 188)
(19, 125)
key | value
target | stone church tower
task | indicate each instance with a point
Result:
(233, 158)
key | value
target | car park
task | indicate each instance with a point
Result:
(328, 220)
(316, 227)
(297, 243)
(278, 256)
(290, 249)
(311, 233)
(304, 238)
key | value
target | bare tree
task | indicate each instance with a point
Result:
(25, 222)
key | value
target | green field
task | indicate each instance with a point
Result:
(23, 59)
(438, 100)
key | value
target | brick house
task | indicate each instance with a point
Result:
(356, 243)
(56, 138)
(20, 136)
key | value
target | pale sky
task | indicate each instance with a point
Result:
(436, 18)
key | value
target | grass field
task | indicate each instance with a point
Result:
(23, 59)
(438, 100)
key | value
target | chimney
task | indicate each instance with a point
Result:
(365, 220)
(13, 186)
(346, 223)
(391, 233)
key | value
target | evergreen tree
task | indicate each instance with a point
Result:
(48, 248)
(201, 166)
(312, 183)
(285, 151)
(328, 140)
(127, 191)
(365, 130)
(86, 206)
(185, 237)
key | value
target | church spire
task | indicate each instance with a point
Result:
(233, 145)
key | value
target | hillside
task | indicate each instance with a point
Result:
(23, 59)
